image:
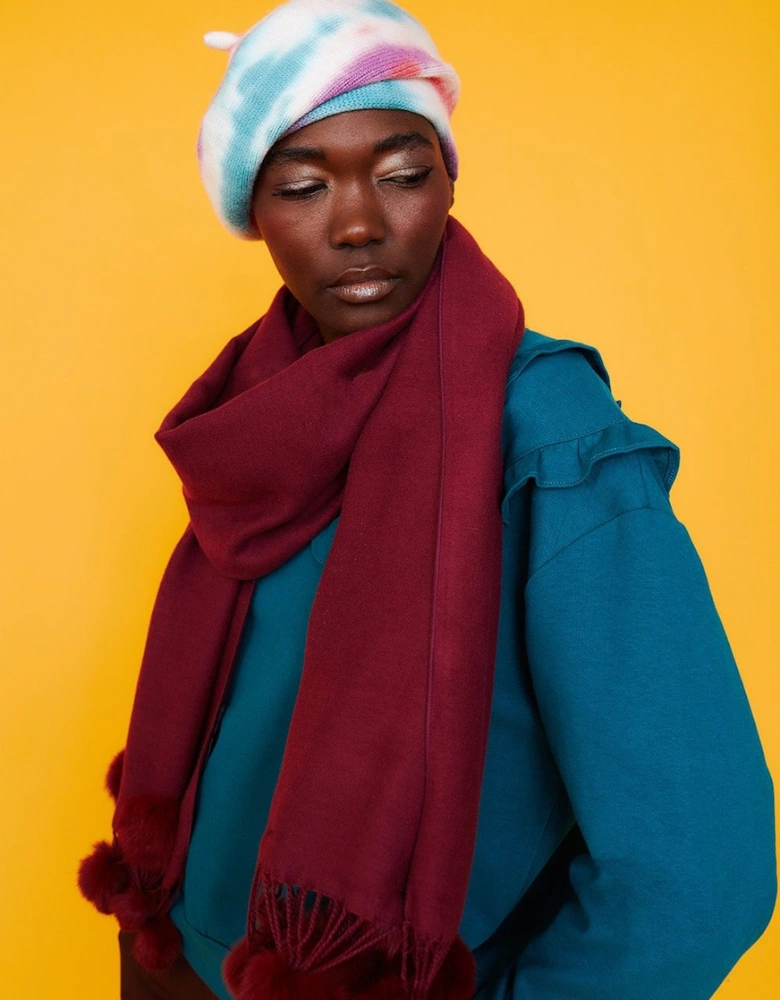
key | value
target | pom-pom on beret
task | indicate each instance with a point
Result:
(304, 61)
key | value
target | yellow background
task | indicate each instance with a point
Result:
(620, 164)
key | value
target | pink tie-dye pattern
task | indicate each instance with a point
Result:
(387, 62)
(376, 52)
(445, 91)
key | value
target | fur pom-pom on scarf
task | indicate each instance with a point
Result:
(363, 866)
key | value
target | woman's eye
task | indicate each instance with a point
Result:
(303, 192)
(408, 180)
(403, 180)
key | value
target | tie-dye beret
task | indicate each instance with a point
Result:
(304, 61)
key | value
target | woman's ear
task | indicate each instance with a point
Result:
(252, 202)
(257, 227)
(452, 192)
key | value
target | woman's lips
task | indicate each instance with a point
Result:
(370, 290)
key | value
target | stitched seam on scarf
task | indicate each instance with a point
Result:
(437, 556)
(440, 520)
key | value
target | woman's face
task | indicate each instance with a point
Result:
(359, 189)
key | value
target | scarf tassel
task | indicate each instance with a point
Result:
(298, 951)
(125, 877)
(304, 945)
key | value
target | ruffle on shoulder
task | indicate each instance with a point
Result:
(561, 418)
(566, 463)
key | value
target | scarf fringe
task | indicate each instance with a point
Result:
(303, 945)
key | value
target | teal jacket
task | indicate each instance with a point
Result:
(623, 765)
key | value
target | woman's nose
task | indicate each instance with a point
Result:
(357, 216)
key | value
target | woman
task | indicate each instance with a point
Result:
(435, 701)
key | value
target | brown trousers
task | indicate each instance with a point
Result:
(180, 982)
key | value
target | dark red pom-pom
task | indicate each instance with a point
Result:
(388, 988)
(457, 976)
(114, 775)
(373, 974)
(101, 875)
(386, 985)
(157, 946)
(135, 907)
(265, 975)
(455, 980)
(145, 826)
(234, 964)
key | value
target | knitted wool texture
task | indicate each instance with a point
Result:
(307, 60)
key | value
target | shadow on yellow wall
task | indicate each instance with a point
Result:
(619, 164)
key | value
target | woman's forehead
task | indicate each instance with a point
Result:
(371, 130)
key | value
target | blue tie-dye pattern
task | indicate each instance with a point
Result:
(271, 78)
(245, 56)
(328, 23)
(389, 11)
(385, 94)
(264, 95)
(276, 74)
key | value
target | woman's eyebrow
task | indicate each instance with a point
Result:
(402, 140)
(304, 154)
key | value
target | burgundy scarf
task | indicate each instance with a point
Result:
(364, 863)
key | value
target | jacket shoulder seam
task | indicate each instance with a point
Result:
(666, 511)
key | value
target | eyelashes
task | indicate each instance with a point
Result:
(410, 180)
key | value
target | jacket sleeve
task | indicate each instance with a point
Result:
(655, 741)
(641, 700)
